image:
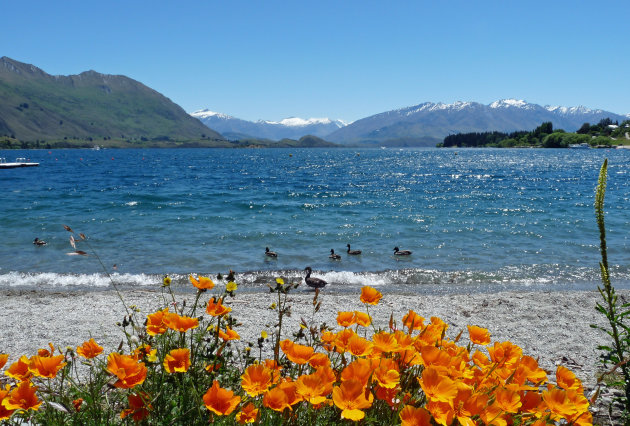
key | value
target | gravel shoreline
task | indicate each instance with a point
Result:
(553, 326)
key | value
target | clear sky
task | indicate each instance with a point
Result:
(339, 59)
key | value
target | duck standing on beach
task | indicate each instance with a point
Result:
(398, 252)
(334, 256)
(270, 253)
(313, 282)
(353, 252)
(39, 242)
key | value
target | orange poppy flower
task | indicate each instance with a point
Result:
(328, 340)
(384, 342)
(46, 352)
(436, 386)
(478, 335)
(139, 407)
(386, 374)
(248, 414)
(43, 366)
(220, 401)
(298, 354)
(145, 351)
(203, 283)
(290, 389)
(319, 360)
(89, 349)
(345, 319)
(351, 398)
(22, 397)
(443, 413)
(180, 323)
(76, 403)
(177, 361)
(342, 338)
(363, 319)
(4, 412)
(3, 359)
(155, 323)
(130, 373)
(216, 308)
(360, 369)
(505, 354)
(387, 395)
(313, 389)
(566, 379)
(528, 369)
(256, 379)
(19, 369)
(507, 400)
(358, 346)
(558, 403)
(276, 399)
(412, 416)
(370, 296)
(413, 321)
(229, 334)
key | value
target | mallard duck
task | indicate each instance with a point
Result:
(353, 251)
(398, 252)
(333, 255)
(39, 242)
(313, 282)
(270, 253)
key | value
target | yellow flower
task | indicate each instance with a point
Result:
(280, 281)
(166, 281)
(264, 334)
(231, 286)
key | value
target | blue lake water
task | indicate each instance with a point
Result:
(476, 220)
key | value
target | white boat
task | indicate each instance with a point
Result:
(19, 162)
(583, 145)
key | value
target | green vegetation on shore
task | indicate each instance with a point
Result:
(604, 134)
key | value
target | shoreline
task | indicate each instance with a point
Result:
(551, 326)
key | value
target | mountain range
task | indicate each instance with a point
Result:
(424, 124)
(38, 106)
(292, 128)
(35, 105)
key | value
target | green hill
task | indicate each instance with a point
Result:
(35, 105)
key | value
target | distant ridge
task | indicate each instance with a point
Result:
(427, 123)
(35, 105)
(289, 128)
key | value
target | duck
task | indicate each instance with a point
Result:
(353, 251)
(398, 252)
(39, 242)
(313, 282)
(333, 255)
(270, 253)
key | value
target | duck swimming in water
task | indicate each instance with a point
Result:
(401, 252)
(313, 282)
(39, 242)
(353, 252)
(333, 255)
(270, 253)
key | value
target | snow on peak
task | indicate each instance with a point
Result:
(572, 110)
(206, 113)
(507, 103)
(431, 106)
(300, 122)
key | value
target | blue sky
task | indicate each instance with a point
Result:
(338, 59)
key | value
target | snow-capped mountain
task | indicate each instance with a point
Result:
(429, 122)
(292, 127)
